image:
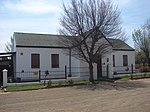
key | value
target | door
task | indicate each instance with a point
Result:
(99, 68)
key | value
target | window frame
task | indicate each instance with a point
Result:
(54, 60)
(35, 60)
(114, 64)
(125, 60)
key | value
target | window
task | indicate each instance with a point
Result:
(113, 60)
(107, 59)
(125, 60)
(55, 60)
(35, 60)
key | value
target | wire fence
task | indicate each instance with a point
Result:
(79, 72)
(47, 75)
(32, 76)
(119, 71)
(123, 70)
(25, 76)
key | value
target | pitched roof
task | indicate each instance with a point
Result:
(33, 39)
(50, 40)
(119, 45)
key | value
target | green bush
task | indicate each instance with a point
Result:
(60, 83)
(49, 84)
(70, 82)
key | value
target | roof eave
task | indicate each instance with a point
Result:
(115, 49)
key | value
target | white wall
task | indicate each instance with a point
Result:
(23, 62)
(119, 60)
(86, 69)
(107, 60)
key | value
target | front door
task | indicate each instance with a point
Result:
(99, 68)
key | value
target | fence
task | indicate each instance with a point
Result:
(105, 71)
(34, 76)
(117, 70)
(131, 71)
(46, 75)
(78, 72)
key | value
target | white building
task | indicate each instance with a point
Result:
(42, 52)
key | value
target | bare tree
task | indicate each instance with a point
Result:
(140, 58)
(9, 45)
(141, 38)
(89, 23)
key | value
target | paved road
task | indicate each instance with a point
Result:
(132, 96)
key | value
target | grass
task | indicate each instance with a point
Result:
(62, 84)
(137, 76)
(53, 84)
(41, 86)
(124, 78)
(25, 87)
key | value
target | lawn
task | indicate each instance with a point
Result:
(62, 84)
(25, 87)
(51, 84)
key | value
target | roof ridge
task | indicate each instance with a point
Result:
(42, 34)
(34, 33)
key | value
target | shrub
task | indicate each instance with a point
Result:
(145, 74)
(70, 82)
(115, 73)
(60, 83)
(127, 69)
(49, 84)
(142, 67)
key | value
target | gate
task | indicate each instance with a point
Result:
(6, 62)
(2, 67)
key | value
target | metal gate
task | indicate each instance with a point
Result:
(6, 62)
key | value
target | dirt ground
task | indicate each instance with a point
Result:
(130, 96)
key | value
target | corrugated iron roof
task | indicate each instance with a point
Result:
(47, 40)
(119, 44)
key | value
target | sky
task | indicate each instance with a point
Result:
(42, 16)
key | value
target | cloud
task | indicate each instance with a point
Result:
(32, 6)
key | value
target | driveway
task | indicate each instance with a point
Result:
(130, 96)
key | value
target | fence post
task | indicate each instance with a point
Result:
(131, 71)
(5, 77)
(107, 70)
(39, 75)
(70, 62)
(65, 72)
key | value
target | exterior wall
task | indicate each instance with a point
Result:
(119, 68)
(23, 62)
(107, 61)
(85, 65)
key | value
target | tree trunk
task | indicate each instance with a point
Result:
(91, 79)
(99, 68)
(148, 63)
(148, 59)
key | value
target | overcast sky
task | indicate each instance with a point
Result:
(42, 16)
